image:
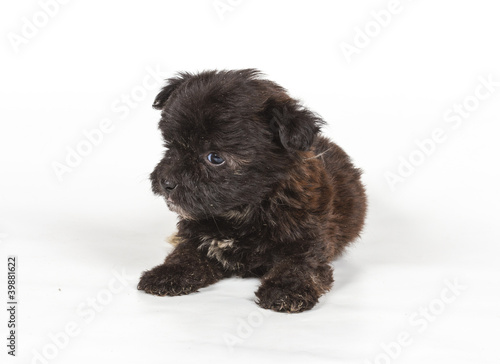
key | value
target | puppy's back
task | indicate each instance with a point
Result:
(349, 204)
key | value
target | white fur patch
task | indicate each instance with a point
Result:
(216, 249)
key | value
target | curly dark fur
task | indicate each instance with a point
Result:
(282, 206)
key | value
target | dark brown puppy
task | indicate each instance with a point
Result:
(258, 191)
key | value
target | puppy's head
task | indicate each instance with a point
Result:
(230, 136)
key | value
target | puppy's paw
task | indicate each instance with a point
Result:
(167, 280)
(285, 297)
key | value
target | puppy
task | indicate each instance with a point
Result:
(259, 192)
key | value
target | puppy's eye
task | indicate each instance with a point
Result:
(214, 158)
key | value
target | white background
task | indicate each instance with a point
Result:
(73, 235)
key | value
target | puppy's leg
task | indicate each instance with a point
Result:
(184, 271)
(294, 286)
(173, 239)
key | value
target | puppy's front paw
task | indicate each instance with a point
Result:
(167, 280)
(284, 297)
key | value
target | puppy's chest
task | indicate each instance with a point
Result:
(231, 252)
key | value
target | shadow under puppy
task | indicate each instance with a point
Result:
(259, 192)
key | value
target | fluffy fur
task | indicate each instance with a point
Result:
(284, 203)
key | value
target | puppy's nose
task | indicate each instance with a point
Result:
(167, 185)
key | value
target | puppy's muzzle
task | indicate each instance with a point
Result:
(168, 186)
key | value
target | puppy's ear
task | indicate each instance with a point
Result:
(294, 126)
(166, 92)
